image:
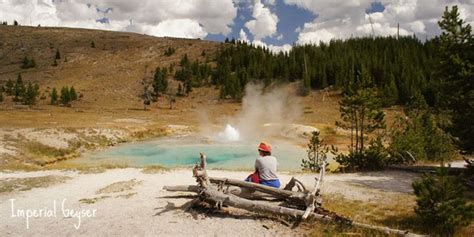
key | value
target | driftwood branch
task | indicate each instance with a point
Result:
(294, 182)
(280, 193)
(313, 198)
(182, 188)
(234, 201)
(221, 195)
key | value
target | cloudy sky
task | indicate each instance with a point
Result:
(273, 23)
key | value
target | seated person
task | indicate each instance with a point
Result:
(265, 167)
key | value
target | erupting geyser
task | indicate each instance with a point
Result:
(229, 134)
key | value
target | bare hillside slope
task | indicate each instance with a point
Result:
(108, 75)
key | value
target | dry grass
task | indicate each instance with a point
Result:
(24, 184)
(397, 213)
(117, 190)
(154, 169)
(92, 200)
(119, 187)
(85, 168)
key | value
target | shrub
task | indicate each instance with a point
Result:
(31, 93)
(169, 51)
(419, 137)
(160, 83)
(316, 153)
(441, 204)
(65, 97)
(374, 157)
(58, 54)
(28, 63)
(54, 96)
(9, 87)
(72, 94)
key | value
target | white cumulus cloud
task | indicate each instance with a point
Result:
(190, 19)
(348, 18)
(265, 22)
(274, 48)
(185, 28)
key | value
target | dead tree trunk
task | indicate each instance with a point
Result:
(279, 193)
(217, 195)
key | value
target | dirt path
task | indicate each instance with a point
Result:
(129, 202)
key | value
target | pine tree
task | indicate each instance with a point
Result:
(9, 87)
(390, 92)
(64, 97)
(316, 153)
(58, 55)
(72, 94)
(169, 51)
(361, 113)
(19, 89)
(93, 44)
(441, 204)
(418, 136)
(184, 61)
(28, 63)
(407, 144)
(160, 83)
(30, 95)
(456, 72)
(25, 63)
(54, 96)
(15, 23)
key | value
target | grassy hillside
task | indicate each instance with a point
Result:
(108, 76)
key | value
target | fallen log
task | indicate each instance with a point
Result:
(295, 183)
(218, 196)
(231, 200)
(312, 199)
(235, 201)
(182, 188)
(281, 193)
(237, 191)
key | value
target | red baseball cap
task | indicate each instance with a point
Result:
(265, 147)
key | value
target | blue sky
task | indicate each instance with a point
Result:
(290, 19)
(276, 24)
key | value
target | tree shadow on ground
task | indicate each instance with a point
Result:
(391, 181)
(199, 210)
(408, 222)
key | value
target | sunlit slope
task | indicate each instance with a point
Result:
(106, 67)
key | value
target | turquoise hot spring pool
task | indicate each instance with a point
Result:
(184, 152)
